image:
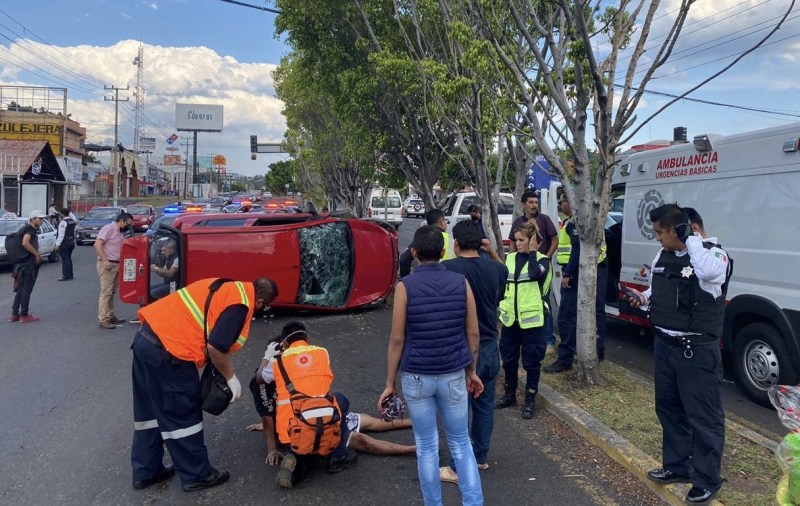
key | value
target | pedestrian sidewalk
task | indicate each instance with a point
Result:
(621, 450)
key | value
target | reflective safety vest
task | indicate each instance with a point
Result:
(177, 319)
(309, 369)
(565, 246)
(448, 247)
(523, 298)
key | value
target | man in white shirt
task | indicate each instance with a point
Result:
(65, 243)
(686, 297)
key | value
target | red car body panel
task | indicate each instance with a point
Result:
(269, 245)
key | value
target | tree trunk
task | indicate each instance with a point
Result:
(586, 346)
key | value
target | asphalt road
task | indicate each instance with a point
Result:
(65, 392)
(66, 417)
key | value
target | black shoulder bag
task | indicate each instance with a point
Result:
(215, 393)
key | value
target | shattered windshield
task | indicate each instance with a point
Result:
(326, 265)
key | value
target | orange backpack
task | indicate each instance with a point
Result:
(315, 428)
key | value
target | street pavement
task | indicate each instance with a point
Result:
(66, 419)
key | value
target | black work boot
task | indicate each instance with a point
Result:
(530, 404)
(509, 398)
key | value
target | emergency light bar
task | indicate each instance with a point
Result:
(791, 145)
(702, 143)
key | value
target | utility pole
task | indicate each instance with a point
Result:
(115, 149)
(186, 168)
(138, 128)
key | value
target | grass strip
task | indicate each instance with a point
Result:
(751, 472)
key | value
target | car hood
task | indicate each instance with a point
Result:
(94, 223)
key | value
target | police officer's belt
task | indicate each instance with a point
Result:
(687, 340)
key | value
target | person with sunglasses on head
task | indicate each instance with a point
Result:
(522, 313)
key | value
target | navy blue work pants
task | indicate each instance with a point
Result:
(568, 317)
(65, 251)
(531, 344)
(688, 389)
(166, 409)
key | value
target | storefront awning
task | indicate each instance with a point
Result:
(29, 159)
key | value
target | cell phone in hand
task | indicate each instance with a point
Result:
(630, 293)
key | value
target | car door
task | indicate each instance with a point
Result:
(47, 238)
(138, 283)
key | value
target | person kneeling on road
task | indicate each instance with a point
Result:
(168, 349)
(265, 399)
(310, 421)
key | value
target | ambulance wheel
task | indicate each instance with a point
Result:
(761, 359)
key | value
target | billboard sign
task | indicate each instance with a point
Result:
(198, 117)
(33, 131)
(147, 143)
(172, 160)
(72, 168)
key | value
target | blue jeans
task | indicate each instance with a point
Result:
(425, 393)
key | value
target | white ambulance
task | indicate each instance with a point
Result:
(746, 188)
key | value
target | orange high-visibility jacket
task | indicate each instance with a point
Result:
(177, 319)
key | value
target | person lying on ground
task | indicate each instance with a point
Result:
(358, 424)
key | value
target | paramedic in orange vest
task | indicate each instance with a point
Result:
(168, 350)
(309, 369)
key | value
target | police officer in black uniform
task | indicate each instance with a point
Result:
(686, 297)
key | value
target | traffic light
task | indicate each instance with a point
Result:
(253, 143)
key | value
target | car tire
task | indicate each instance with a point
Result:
(762, 359)
(53, 257)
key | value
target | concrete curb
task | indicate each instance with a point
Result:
(615, 446)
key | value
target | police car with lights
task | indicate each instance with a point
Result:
(10, 223)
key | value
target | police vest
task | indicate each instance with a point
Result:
(177, 319)
(523, 298)
(565, 245)
(448, 247)
(69, 233)
(678, 303)
(309, 369)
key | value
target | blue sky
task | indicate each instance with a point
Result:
(209, 51)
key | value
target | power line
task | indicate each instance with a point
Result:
(90, 71)
(258, 7)
(720, 104)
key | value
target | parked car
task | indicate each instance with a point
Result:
(89, 226)
(414, 208)
(10, 223)
(318, 261)
(143, 216)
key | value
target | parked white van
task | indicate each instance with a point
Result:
(386, 205)
(746, 187)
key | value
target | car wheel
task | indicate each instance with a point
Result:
(761, 359)
(53, 256)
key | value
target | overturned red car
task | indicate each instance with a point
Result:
(319, 262)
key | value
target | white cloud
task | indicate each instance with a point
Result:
(171, 75)
(153, 6)
(125, 15)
